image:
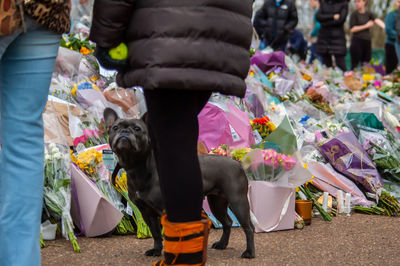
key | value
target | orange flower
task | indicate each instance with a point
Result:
(307, 77)
(85, 51)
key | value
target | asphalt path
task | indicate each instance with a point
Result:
(355, 240)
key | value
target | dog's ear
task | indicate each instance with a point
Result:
(109, 116)
(144, 118)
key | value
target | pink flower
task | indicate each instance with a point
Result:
(96, 133)
(377, 83)
(288, 162)
(88, 133)
(78, 140)
(271, 158)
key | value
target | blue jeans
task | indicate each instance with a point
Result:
(26, 66)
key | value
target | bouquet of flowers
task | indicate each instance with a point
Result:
(263, 125)
(238, 154)
(74, 42)
(220, 150)
(319, 96)
(91, 163)
(143, 230)
(348, 157)
(386, 156)
(266, 164)
(92, 137)
(57, 190)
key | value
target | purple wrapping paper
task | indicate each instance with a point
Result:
(256, 106)
(269, 62)
(346, 155)
(378, 68)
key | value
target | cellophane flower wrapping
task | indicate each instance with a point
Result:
(381, 145)
(57, 189)
(269, 165)
(347, 156)
(91, 163)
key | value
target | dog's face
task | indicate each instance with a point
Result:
(128, 138)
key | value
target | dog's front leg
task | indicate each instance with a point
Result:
(155, 227)
(152, 219)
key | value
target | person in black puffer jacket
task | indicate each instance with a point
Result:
(274, 21)
(179, 51)
(331, 39)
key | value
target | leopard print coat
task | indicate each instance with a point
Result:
(53, 14)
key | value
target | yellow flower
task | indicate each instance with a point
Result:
(271, 126)
(312, 177)
(73, 90)
(121, 183)
(367, 77)
(88, 160)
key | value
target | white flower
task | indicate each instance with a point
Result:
(58, 156)
(52, 145)
(47, 157)
(392, 119)
(54, 150)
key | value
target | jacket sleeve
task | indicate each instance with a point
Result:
(317, 26)
(321, 16)
(260, 21)
(293, 19)
(110, 21)
(390, 21)
(342, 18)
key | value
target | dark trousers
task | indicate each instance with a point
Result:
(314, 55)
(339, 59)
(360, 51)
(174, 130)
(390, 57)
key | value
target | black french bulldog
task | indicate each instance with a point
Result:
(224, 182)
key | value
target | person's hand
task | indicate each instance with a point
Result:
(106, 61)
(370, 24)
(336, 17)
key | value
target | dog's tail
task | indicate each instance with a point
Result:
(115, 173)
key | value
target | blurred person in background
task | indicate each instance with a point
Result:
(297, 45)
(331, 39)
(314, 4)
(361, 20)
(391, 57)
(274, 22)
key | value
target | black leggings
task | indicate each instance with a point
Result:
(174, 130)
(339, 59)
(360, 51)
(391, 58)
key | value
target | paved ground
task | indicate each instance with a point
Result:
(356, 240)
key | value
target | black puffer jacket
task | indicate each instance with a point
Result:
(331, 38)
(179, 44)
(274, 23)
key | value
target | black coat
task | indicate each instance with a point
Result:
(284, 16)
(331, 38)
(179, 44)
